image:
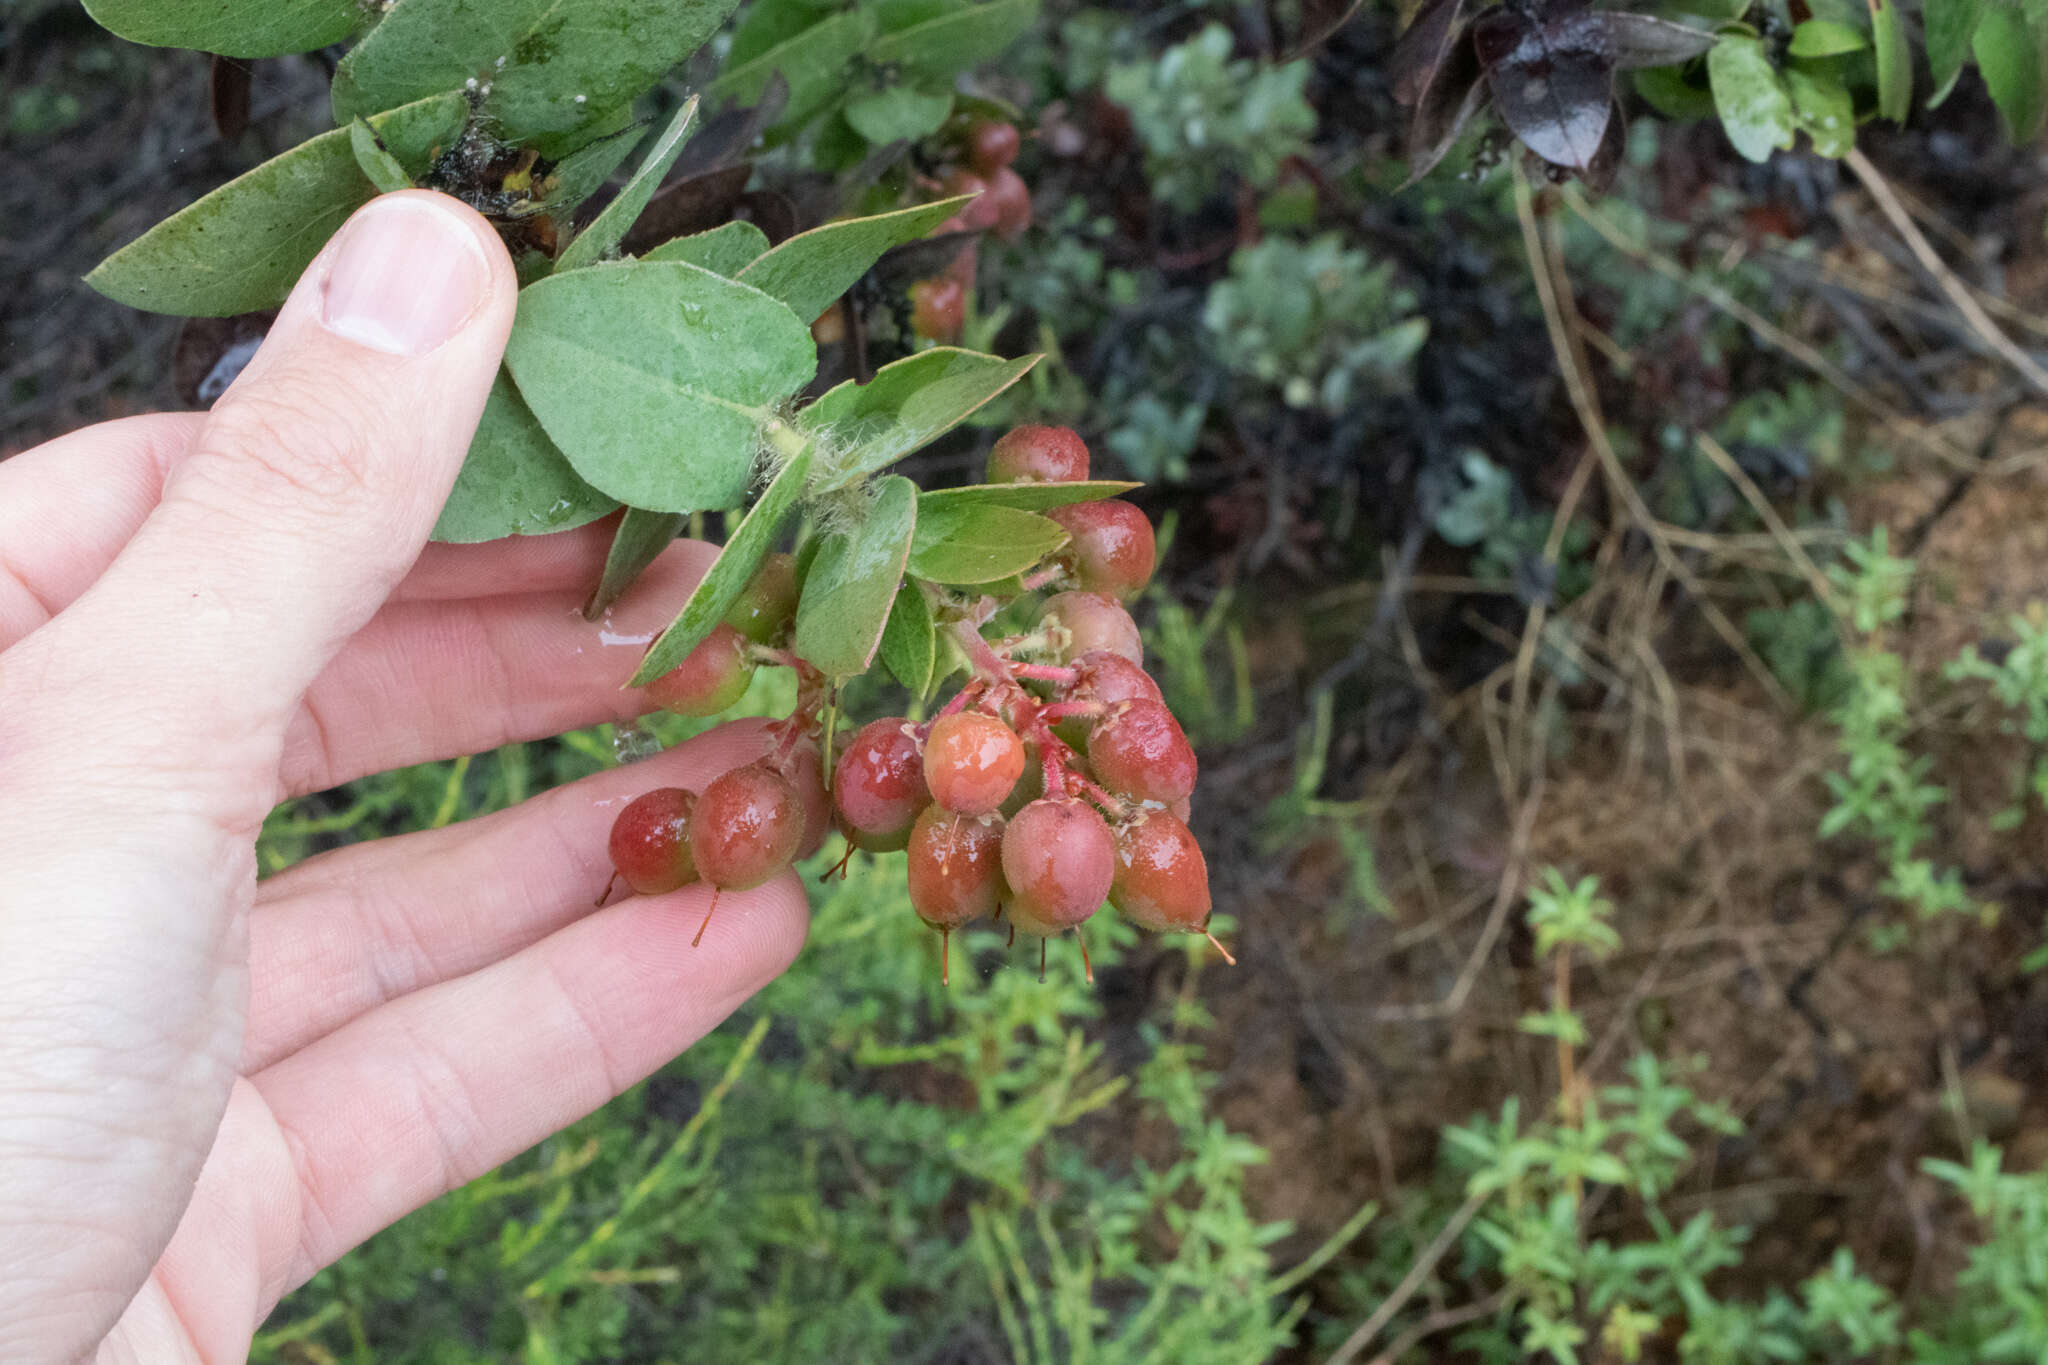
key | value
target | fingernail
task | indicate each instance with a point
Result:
(407, 274)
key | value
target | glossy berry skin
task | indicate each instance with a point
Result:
(955, 867)
(1038, 454)
(1137, 750)
(1162, 880)
(878, 783)
(938, 309)
(746, 827)
(1087, 621)
(766, 606)
(1112, 550)
(650, 843)
(1103, 679)
(1059, 859)
(992, 145)
(1029, 787)
(1010, 200)
(805, 771)
(972, 762)
(710, 678)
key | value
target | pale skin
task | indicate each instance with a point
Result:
(212, 1086)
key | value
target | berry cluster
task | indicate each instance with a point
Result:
(987, 147)
(1056, 778)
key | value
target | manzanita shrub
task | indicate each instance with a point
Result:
(673, 377)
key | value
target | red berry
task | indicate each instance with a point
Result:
(1010, 199)
(980, 215)
(650, 843)
(878, 783)
(992, 144)
(1036, 454)
(806, 772)
(1082, 622)
(746, 827)
(1029, 787)
(1137, 750)
(971, 762)
(1162, 880)
(1112, 549)
(710, 678)
(1103, 679)
(938, 309)
(955, 867)
(1058, 861)
(767, 605)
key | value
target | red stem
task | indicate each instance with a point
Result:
(1046, 673)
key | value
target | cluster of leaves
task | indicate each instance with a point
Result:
(864, 1167)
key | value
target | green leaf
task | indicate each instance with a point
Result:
(2009, 56)
(583, 172)
(513, 481)
(980, 543)
(639, 541)
(724, 250)
(1950, 25)
(1894, 60)
(768, 22)
(233, 28)
(1826, 112)
(375, 161)
(1756, 113)
(898, 114)
(242, 248)
(1672, 95)
(550, 66)
(945, 46)
(608, 229)
(866, 427)
(814, 63)
(909, 642)
(654, 377)
(852, 584)
(813, 268)
(1028, 497)
(735, 568)
(1826, 38)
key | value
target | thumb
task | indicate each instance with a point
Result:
(314, 481)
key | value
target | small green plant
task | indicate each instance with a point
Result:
(1201, 115)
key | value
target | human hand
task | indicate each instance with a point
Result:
(210, 1088)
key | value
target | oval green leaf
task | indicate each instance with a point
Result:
(609, 227)
(2010, 57)
(866, 427)
(1826, 112)
(374, 159)
(638, 542)
(242, 248)
(1756, 113)
(980, 543)
(909, 642)
(654, 377)
(1950, 26)
(725, 250)
(813, 62)
(729, 576)
(513, 481)
(898, 114)
(550, 66)
(1826, 38)
(1894, 60)
(945, 46)
(813, 268)
(1028, 497)
(851, 588)
(233, 28)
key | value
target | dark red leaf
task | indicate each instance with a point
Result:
(693, 205)
(1448, 103)
(1632, 41)
(1550, 87)
(1423, 47)
(730, 134)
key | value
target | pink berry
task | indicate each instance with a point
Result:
(746, 827)
(938, 309)
(710, 678)
(1137, 750)
(992, 144)
(650, 841)
(1058, 861)
(767, 605)
(1038, 454)
(981, 214)
(1011, 201)
(1112, 550)
(1081, 622)
(805, 770)
(878, 783)
(955, 867)
(1102, 679)
(971, 762)
(1162, 880)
